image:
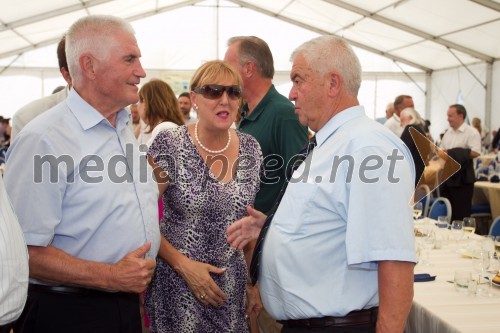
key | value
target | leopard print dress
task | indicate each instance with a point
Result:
(197, 211)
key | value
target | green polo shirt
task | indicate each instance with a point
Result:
(277, 129)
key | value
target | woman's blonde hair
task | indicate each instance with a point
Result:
(160, 104)
(212, 71)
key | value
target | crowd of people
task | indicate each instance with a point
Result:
(245, 195)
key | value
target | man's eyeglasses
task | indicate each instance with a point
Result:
(214, 91)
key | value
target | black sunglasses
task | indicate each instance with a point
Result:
(214, 91)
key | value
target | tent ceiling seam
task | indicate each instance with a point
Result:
(323, 32)
(417, 32)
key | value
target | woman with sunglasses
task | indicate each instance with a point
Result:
(207, 174)
(158, 109)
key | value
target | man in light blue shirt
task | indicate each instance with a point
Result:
(339, 251)
(83, 192)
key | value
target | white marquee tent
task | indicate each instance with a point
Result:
(438, 51)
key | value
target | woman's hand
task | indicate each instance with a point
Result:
(201, 284)
(246, 229)
(254, 303)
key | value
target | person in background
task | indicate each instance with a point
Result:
(83, 193)
(411, 119)
(496, 140)
(483, 132)
(208, 174)
(30, 111)
(270, 118)
(400, 103)
(158, 109)
(13, 264)
(337, 253)
(58, 89)
(5, 132)
(389, 111)
(135, 120)
(462, 143)
(185, 105)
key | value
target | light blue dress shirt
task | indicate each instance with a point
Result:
(98, 201)
(321, 251)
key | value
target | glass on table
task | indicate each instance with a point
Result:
(480, 263)
(443, 222)
(462, 278)
(456, 230)
(491, 272)
(469, 225)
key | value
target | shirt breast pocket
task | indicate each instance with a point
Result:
(296, 207)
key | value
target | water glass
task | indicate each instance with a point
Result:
(456, 230)
(442, 222)
(462, 279)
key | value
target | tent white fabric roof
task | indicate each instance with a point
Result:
(424, 34)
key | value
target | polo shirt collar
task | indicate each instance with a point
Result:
(338, 121)
(89, 117)
(261, 106)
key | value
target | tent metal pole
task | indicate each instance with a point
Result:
(428, 95)
(488, 95)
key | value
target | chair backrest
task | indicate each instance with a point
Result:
(440, 207)
(422, 194)
(495, 227)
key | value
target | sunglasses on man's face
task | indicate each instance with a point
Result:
(214, 91)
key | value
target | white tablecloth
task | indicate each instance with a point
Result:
(438, 308)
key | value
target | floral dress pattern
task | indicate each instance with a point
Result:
(197, 210)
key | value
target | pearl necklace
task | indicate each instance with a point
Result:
(210, 150)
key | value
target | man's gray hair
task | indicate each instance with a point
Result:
(93, 34)
(256, 50)
(329, 53)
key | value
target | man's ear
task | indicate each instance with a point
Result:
(87, 64)
(249, 69)
(334, 83)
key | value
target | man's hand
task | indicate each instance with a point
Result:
(246, 229)
(133, 273)
(254, 303)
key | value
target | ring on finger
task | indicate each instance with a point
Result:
(202, 297)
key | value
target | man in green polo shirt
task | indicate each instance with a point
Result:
(270, 118)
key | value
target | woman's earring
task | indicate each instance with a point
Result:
(195, 107)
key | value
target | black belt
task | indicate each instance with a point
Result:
(354, 318)
(67, 290)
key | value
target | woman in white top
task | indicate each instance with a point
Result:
(159, 109)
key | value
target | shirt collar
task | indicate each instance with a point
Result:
(337, 121)
(89, 117)
(261, 106)
(462, 127)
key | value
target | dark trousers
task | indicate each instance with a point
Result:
(59, 312)
(460, 199)
(349, 329)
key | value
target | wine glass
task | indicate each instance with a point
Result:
(417, 210)
(469, 226)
